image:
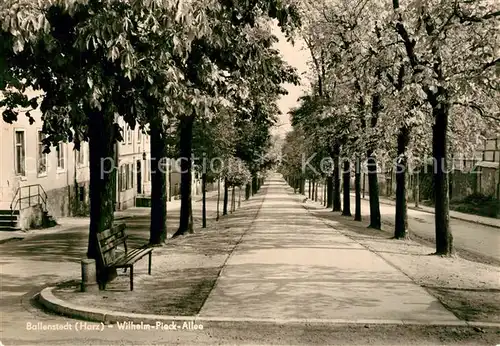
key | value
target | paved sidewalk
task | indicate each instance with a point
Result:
(290, 266)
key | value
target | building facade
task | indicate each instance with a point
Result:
(488, 168)
(61, 177)
(133, 168)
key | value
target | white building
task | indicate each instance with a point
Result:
(59, 181)
(134, 176)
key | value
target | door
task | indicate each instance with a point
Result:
(139, 177)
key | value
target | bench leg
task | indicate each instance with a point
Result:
(149, 266)
(132, 278)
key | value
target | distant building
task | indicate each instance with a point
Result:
(488, 168)
(134, 174)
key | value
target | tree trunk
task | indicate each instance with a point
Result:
(204, 200)
(232, 200)
(346, 211)
(226, 197)
(239, 196)
(364, 184)
(248, 191)
(313, 194)
(324, 192)
(158, 223)
(169, 176)
(309, 190)
(357, 188)
(102, 185)
(303, 186)
(254, 184)
(373, 192)
(388, 185)
(336, 179)
(186, 141)
(444, 238)
(417, 190)
(450, 179)
(401, 222)
(218, 199)
(329, 191)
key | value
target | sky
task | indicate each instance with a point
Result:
(297, 56)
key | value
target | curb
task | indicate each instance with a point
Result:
(6, 240)
(54, 304)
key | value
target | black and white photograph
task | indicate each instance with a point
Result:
(249, 172)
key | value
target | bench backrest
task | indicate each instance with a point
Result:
(108, 242)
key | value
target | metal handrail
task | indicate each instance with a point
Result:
(40, 194)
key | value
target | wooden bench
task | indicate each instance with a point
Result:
(109, 241)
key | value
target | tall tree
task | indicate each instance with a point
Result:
(447, 43)
(216, 66)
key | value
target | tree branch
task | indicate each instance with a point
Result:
(491, 64)
(474, 19)
(478, 109)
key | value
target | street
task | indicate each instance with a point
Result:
(483, 242)
(107, 105)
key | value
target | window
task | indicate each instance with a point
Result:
(42, 157)
(80, 155)
(139, 136)
(129, 135)
(126, 177)
(119, 178)
(20, 152)
(60, 156)
(125, 127)
(123, 177)
(131, 176)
